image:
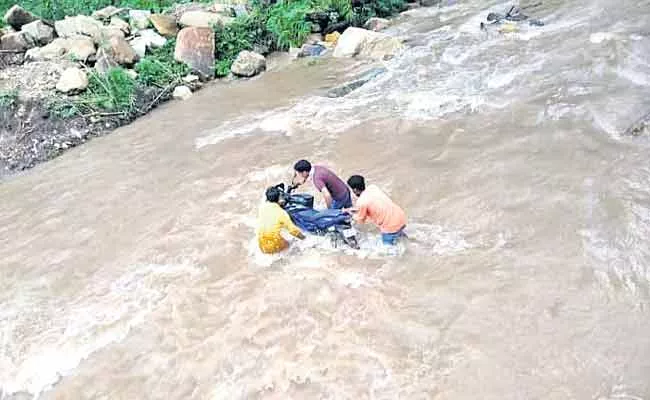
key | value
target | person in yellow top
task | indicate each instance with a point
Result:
(271, 220)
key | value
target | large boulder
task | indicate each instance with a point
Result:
(53, 51)
(377, 24)
(248, 64)
(80, 25)
(72, 80)
(121, 52)
(16, 42)
(80, 48)
(203, 19)
(139, 18)
(165, 24)
(223, 9)
(366, 44)
(17, 16)
(195, 47)
(40, 32)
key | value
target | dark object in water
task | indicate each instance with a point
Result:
(361, 80)
(639, 127)
(514, 14)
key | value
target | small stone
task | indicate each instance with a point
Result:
(40, 32)
(332, 37)
(223, 9)
(182, 93)
(131, 73)
(248, 64)
(17, 16)
(152, 39)
(120, 24)
(104, 62)
(191, 78)
(107, 12)
(53, 51)
(164, 24)
(312, 50)
(294, 52)
(377, 24)
(121, 51)
(139, 45)
(72, 80)
(17, 41)
(80, 48)
(203, 19)
(139, 18)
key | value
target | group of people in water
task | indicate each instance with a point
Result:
(371, 204)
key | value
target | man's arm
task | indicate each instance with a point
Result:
(361, 213)
(327, 196)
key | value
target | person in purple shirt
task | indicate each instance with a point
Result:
(335, 192)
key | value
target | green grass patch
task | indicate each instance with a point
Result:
(57, 9)
(159, 68)
(287, 22)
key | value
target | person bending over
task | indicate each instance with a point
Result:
(334, 191)
(374, 205)
(271, 220)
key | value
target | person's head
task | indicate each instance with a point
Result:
(273, 195)
(357, 183)
(302, 169)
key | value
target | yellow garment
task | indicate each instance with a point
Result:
(332, 37)
(272, 218)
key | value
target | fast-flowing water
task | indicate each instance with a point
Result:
(129, 268)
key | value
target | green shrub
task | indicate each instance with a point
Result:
(378, 8)
(113, 92)
(244, 33)
(287, 22)
(8, 98)
(159, 68)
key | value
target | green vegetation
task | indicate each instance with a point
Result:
(112, 93)
(57, 9)
(159, 68)
(8, 98)
(287, 22)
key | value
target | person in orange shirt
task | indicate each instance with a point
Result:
(374, 205)
(271, 220)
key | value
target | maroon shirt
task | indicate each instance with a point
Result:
(323, 177)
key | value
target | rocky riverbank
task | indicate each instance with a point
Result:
(63, 82)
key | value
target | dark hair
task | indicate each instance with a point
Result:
(273, 194)
(357, 182)
(302, 166)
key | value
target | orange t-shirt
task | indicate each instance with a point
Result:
(375, 205)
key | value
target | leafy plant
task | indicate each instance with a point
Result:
(160, 68)
(244, 33)
(287, 22)
(57, 9)
(8, 98)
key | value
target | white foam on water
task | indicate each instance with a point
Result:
(101, 317)
(600, 37)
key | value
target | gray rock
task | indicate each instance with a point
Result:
(107, 12)
(203, 19)
(72, 80)
(376, 24)
(80, 25)
(223, 9)
(121, 51)
(53, 51)
(17, 16)
(182, 93)
(165, 24)
(40, 32)
(361, 80)
(120, 24)
(366, 44)
(312, 50)
(195, 47)
(104, 62)
(248, 64)
(140, 18)
(152, 39)
(17, 41)
(80, 48)
(139, 45)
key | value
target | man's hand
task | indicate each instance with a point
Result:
(350, 210)
(301, 236)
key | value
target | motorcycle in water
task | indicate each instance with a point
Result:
(334, 223)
